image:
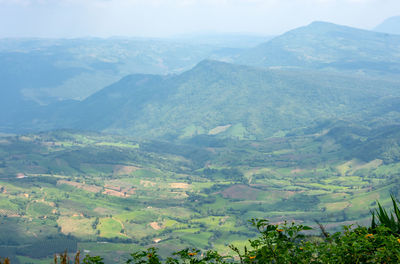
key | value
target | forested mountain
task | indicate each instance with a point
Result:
(228, 100)
(322, 45)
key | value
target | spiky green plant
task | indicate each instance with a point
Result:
(391, 219)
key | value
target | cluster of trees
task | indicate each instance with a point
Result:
(227, 173)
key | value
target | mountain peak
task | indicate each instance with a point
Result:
(210, 63)
(390, 25)
(327, 45)
(323, 26)
(318, 23)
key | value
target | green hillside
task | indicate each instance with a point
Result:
(231, 101)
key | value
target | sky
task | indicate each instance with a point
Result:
(166, 18)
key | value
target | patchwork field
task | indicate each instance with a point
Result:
(111, 195)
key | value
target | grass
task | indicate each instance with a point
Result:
(188, 230)
(5, 204)
(198, 239)
(336, 207)
(106, 247)
(237, 131)
(77, 226)
(110, 228)
(139, 216)
(145, 173)
(40, 209)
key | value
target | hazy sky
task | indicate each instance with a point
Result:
(160, 18)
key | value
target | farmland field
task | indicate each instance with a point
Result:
(113, 195)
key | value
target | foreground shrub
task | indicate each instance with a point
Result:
(360, 245)
(286, 243)
(191, 256)
(277, 244)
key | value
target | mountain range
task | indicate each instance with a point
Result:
(314, 73)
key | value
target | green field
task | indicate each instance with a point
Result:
(112, 196)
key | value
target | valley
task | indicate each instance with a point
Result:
(105, 194)
(109, 146)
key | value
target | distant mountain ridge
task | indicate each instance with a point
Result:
(44, 71)
(390, 26)
(323, 45)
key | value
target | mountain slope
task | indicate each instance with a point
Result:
(322, 45)
(390, 26)
(226, 100)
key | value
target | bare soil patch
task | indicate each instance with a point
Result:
(124, 170)
(112, 187)
(240, 191)
(115, 193)
(296, 171)
(155, 226)
(86, 187)
(218, 129)
(147, 183)
(179, 185)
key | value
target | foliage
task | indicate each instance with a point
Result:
(389, 220)
(93, 260)
(286, 243)
(150, 256)
(276, 244)
(359, 245)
